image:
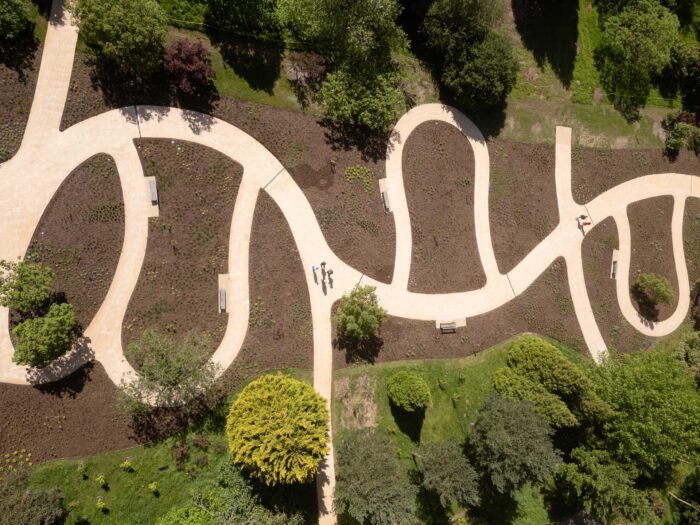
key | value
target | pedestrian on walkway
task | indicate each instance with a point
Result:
(313, 270)
(323, 270)
(329, 273)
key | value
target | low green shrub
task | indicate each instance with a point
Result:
(408, 391)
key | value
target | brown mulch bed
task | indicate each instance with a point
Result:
(691, 238)
(187, 244)
(438, 167)
(279, 328)
(76, 416)
(593, 171)
(80, 235)
(352, 219)
(18, 75)
(652, 248)
(522, 199)
(596, 251)
(544, 308)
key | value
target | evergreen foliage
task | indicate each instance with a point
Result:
(25, 286)
(408, 391)
(12, 19)
(372, 486)
(130, 33)
(41, 340)
(278, 430)
(512, 444)
(359, 316)
(446, 471)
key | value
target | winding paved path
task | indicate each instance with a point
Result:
(30, 179)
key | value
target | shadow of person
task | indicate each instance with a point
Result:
(410, 423)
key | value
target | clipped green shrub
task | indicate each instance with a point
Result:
(25, 286)
(39, 341)
(359, 315)
(655, 288)
(408, 391)
(278, 430)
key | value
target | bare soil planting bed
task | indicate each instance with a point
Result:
(597, 249)
(279, 327)
(187, 244)
(593, 171)
(76, 416)
(544, 308)
(652, 248)
(316, 155)
(18, 76)
(691, 238)
(522, 199)
(438, 169)
(80, 235)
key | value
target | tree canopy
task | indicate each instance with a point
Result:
(25, 286)
(130, 33)
(189, 65)
(408, 391)
(372, 486)
(602, 486)
(636, 44)
(560, 391)
(512, 444)
(656, 288)
(446, 471)
(40, 340)
(171, 373)
(13, 19)
(278, 430)
(359, 315)
(656, 412)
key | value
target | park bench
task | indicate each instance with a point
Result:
(448, 328)
(385, 200)
(154, 191)
(222, 300)
(613, 266)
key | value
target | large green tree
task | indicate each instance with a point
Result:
(25, 286)
(256, 17)
(13, 19)
(372, 101)
(635, 46)
(171, 373)
(537, 371)
(372, 486)
(359, 315)
(512, 444)
(40, 340)
(130, 33)
(656, 412)
(479, 66)
(446, 471)
(278, 430)
(601, 486)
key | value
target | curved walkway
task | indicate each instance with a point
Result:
(47, 156)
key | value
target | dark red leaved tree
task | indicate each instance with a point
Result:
(189, 65)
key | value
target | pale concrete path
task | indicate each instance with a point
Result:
(47, 156)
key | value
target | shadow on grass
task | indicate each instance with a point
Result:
(410, 423)
(258, 63)
(549, 29)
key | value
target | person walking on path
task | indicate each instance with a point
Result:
(329, 273)
(313, 270)
(323, 269)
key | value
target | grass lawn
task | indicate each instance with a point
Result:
(128, 498)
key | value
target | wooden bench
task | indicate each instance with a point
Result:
(154, 192)
(222, 300)
(448, 328)
(385, 201)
